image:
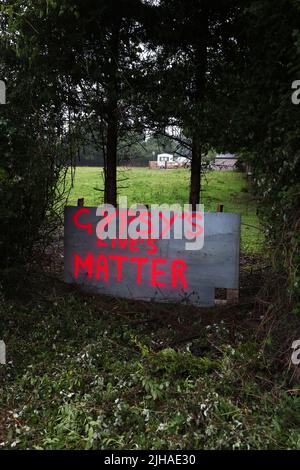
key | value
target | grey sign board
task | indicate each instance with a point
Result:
(153, 271)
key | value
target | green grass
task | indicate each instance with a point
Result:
(145, 186)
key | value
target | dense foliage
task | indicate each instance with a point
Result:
(168, 377)
(266, 123)
(37, 145)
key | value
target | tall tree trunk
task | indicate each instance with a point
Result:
(199, 94)
(110, 192)
(195, 183)
(111, 156)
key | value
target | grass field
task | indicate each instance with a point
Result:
(142, 185)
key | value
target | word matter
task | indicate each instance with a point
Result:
(162, 271)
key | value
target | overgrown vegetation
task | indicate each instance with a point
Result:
(267, 123)
(37, 147)
(92, 373)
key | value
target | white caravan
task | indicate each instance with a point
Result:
(163, 159)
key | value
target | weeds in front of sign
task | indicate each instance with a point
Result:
(94, 373)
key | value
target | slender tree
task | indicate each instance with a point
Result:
(192, 36)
